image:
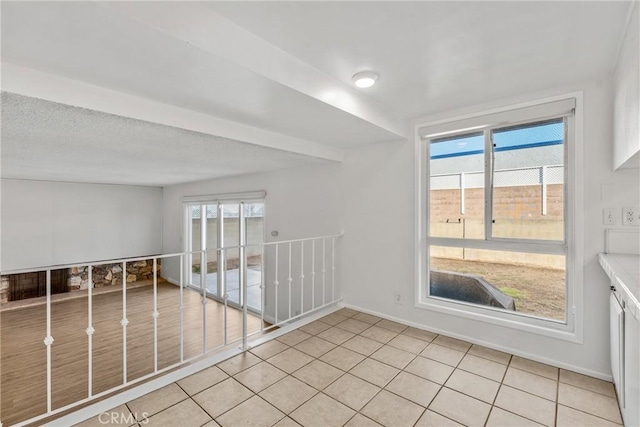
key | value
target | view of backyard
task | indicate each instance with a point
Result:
(537, 291)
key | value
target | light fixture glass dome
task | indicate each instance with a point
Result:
(364, 79)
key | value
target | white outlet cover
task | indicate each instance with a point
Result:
(631, 216)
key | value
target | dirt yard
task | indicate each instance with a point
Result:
(537, 291)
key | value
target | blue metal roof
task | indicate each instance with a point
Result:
(506, 139)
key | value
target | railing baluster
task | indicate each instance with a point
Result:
(221, 285)
(275, 284)
(124, 322)
(48, 341)
(301, 277)
(203, 287)
(263, 288)
(204, 269)
(155, 315)
(242, 274)
(290, 279)
(333, 269)
(223, 288)
(324, 271)
(182, 261)
(90, 330)
(313, 274)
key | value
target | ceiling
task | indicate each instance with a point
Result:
(271, 79)
(434, 56)
(45, 140)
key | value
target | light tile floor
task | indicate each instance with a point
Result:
(354, 369)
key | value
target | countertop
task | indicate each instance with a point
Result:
(624, 272)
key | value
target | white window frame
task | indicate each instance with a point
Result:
(572, 328)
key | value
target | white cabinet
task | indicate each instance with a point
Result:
(626, 107)
(616, 325)
(631, 410)
(624, 308)
(625, 358)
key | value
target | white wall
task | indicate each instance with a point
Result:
(300, 203)
(48, 223)
(379, 241)
(627, 95)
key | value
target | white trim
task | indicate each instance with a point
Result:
(496, 316)
(498, 117)
(126, 396)
(226, 197)
(553, 362)
(573, 329)
(575, 210)
(500, 244)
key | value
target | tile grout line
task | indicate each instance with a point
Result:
(415, 356)
(400, 370)
(508, 365)
(441, 386)
(523, 391)
(445, 382)
(388, 382)
(294, 409)
(593, 415)
(587, 389)
(170, 406)
(493, 404)
(194, 401)
(555, 418)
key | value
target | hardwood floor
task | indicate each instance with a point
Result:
(23, 354)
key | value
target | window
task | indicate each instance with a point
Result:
(496, 239)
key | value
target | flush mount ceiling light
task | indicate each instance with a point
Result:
(364, 79)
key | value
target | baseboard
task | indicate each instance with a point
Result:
(535, 357)
(173, 281)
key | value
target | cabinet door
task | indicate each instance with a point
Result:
(631, 412)
(617, 349)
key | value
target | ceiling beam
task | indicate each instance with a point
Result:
(36, 84)
(203, 28)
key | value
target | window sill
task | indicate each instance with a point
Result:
(549, 328)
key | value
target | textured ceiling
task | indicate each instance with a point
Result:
(49, 141)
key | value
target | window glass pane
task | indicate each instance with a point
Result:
(231, 229)
(195, 242)
(528, 181)
(212, 243)
(523, 282)
(456, 196)
(254, 220)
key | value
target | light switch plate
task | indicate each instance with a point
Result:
(609, 216)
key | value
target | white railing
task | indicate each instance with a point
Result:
(269, 287)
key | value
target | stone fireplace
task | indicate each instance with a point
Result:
(15, 287)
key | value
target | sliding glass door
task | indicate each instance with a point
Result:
(219, 228)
